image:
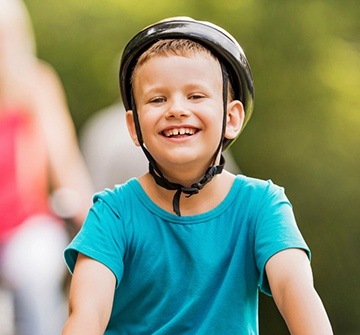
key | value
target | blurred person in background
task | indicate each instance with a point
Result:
(39, 157)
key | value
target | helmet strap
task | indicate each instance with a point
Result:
(189, 191)
(213, 170)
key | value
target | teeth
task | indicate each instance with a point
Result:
(179, 131)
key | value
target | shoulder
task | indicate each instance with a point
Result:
(45, 75)
(45, 88)
(118, 197)
(46, 70)
(258, 187)
(48, 82)
(259, 198)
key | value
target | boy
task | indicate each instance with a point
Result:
(185, 248)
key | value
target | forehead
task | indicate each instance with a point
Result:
(196, 68)
(199, 55)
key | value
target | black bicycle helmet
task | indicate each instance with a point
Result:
(235, 68)
(217, 40)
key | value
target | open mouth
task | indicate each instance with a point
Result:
(179, 132)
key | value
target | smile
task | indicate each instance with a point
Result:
(176, 132)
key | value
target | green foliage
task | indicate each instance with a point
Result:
(305, 57)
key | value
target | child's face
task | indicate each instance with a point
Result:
(180, 107)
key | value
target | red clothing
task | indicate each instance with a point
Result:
(23, 170)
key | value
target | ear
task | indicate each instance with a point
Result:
(131, 127)
(235, 119)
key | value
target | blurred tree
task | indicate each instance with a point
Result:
(304, 133)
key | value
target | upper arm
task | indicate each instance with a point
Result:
(288, 267)
(50, 105)
(66, 165)
(291, 282)
(91, 293)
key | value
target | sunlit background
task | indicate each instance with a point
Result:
(304, 134)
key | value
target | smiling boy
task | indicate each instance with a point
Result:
(185, 248)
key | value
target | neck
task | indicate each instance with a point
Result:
(208, 198)
(191, 190)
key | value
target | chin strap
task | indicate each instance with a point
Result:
(193, 189)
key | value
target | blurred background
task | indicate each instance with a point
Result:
(304, 134)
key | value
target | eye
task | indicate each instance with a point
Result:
(157, 100)
(196, 96)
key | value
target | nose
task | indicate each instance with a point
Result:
(177, 109)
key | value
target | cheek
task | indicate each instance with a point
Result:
(147, 125)
(216, 122)
(218, 131)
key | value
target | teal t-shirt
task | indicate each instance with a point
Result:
(196, 274)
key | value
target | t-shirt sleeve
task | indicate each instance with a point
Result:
(100, 238)
(276, 230)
